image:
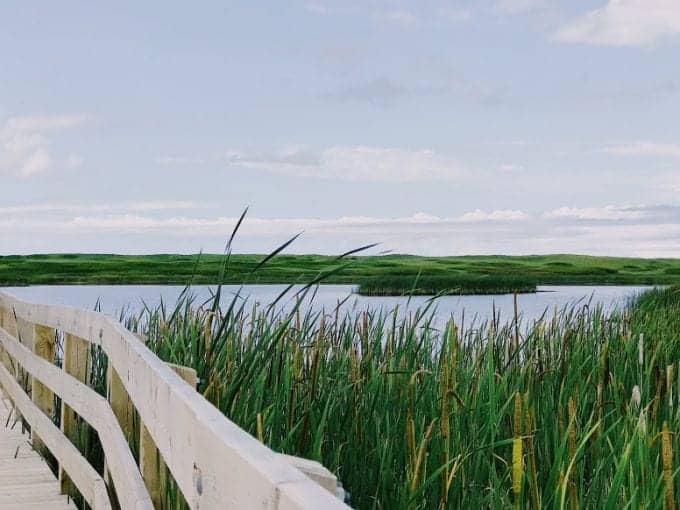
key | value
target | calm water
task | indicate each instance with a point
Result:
(114, 298)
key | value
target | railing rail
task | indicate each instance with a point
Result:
(214, 462)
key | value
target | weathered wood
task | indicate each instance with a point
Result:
(44, 347)
(76, 364)
(120, 402)
(8, 323)
(95, 410)
(314, 470)
(26, 482)
(122, 408)
(215, 463)
(67, 454)
(151, 463)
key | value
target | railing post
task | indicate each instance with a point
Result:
(24, 333)
(75, 363)
(120, 402)
(43, 397)
(8, 324)
(150, 462)
(122, 408)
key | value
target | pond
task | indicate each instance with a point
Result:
(131, 298)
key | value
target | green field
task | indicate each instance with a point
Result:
(375, 275)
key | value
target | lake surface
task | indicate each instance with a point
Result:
(114, 298)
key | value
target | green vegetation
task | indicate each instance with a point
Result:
(460, 284)
(387, 274)
(579, 409)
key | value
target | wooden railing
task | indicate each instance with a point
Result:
(214, 463)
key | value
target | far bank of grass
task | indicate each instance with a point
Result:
(374, 275)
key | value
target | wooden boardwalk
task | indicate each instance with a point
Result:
(46, 351)
(26, 482)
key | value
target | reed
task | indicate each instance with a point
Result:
(469, 415)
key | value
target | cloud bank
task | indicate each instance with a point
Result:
(25, 144)
(625, 23)
(648, 231)
(346, 163)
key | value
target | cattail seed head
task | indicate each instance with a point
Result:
(517, 466)
(667, 459)
(641, 349)
(635, 397)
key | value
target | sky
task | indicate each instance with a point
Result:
(430, 127)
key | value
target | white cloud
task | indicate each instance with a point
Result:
(497, 215)
(357, 163)
(180, 161)
(609, 212)
(103, 207)
(37, 162)
(645, 149)
(132, 222)
(25, 143)
(625, 23)
(640, 231)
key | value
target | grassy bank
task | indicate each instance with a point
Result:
(579, 410)
(389, 274)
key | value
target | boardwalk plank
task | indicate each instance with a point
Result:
(26, 482)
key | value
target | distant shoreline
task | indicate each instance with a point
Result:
(383, 275)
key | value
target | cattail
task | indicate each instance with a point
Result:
(641, 349)
(517, 454)
(517, 469)
(517, 417)
(260, 428)
(667, 459)
(669, 385)
(635, 397)
(642, 423)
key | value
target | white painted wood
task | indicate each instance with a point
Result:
(26, 481)
(314, 470)
(94, 409)
(216, 464)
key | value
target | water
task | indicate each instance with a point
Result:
(114, 298)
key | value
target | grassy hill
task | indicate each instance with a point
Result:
(387, 274)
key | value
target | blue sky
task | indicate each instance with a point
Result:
(432, 127)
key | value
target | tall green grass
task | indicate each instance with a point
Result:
(577, 410)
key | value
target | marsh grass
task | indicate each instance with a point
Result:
(569, 413)
(427, 285)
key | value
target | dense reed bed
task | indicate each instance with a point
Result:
(424, 285)
(578, 410)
